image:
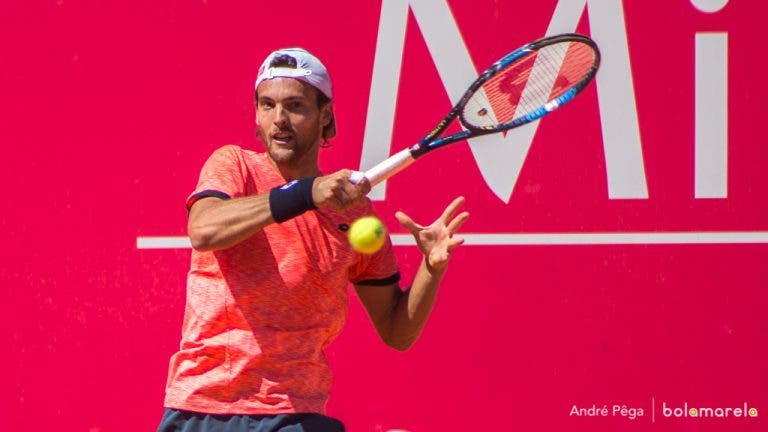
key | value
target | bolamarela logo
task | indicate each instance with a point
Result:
(707, 412)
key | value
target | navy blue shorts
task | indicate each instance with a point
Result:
(185, 421)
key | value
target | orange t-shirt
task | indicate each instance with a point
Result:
(260, 314)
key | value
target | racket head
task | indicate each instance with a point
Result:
(519, 88)
(529, 83)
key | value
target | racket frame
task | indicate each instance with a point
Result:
(431, 141)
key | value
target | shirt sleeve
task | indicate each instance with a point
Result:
(377, 269)
(222, 176)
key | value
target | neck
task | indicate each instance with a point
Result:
(305, 166)
(290, 172)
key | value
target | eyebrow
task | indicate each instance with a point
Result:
(287, 99)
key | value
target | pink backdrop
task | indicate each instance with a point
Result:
(109, 110)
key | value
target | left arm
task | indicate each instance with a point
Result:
(400, 316)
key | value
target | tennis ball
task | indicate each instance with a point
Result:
(367, 235)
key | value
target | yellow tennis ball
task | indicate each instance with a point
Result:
(367, 235)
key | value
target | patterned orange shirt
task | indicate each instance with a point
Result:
(260, 314)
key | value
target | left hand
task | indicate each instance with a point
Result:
(436, 241)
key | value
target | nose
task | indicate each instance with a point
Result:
(281, 116)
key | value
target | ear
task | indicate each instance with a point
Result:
(326, 114)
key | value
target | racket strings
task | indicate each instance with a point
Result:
(509, 83)
(529, 83)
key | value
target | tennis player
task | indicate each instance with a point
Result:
(266, 291)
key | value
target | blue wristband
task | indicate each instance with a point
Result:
(291, 199)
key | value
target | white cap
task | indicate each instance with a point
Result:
(303, 67)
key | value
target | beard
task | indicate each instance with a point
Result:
(294, 154)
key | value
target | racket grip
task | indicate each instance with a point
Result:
(385, 169)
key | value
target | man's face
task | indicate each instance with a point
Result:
(289, 121)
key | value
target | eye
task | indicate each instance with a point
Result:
(295, 105)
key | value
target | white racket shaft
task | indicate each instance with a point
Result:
(384, 169)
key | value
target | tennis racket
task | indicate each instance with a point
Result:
(522, 86)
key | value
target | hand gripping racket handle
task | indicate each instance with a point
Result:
(385, 169)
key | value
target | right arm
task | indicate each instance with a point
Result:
(216, 224)
(219, 224)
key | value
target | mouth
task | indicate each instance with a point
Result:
(283, 139)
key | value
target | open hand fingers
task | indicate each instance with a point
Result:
(457, 222)
(451, 209)
(407, 223)
(439, 257)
